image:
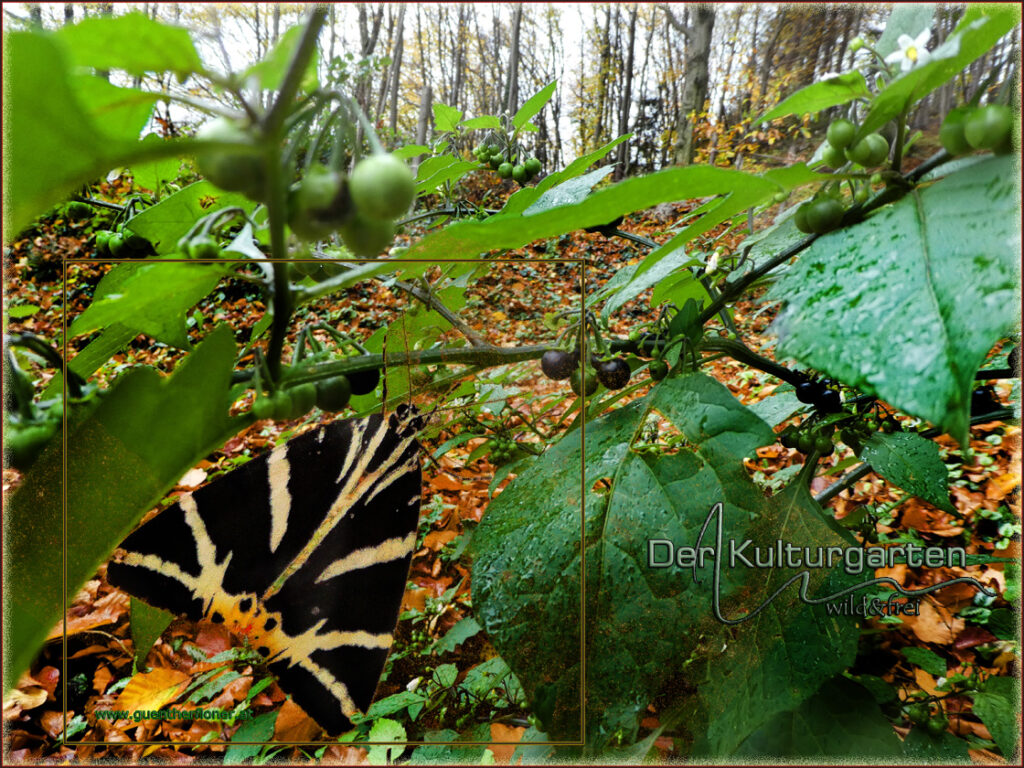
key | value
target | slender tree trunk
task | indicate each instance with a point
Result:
(512, 90)
(622, 153)
(396, 72)
(426, 97)
(69, 14)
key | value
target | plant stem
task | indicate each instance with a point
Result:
(276, 186)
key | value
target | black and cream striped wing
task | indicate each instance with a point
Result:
(305, 551)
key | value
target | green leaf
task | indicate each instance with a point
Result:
(777, 407)
(214, 686)
(22, 310)
(133, 42)
(923, 748)
(141, 438)
(446, 118)
(258, 730)
(997, 704)
(471, 238)
(151, 297)
(911, 462)
(147, 624)
(482, 122)
(927, 660)
(457, 635)
(391, 705)
(445, 675)
(120, 112)
(272, 70)
(525, 197)
(385, 730)
(435, 171)
(906, 304)
(51, 144)
(841, 721)
(166, 222)
(979, 30)
(527, 546)
(820, 95)
(534, 105)
(410, 150)
(741, 191)
(670, 265)
(774, 661)
(568, 192)
(909, 19)
(157, 173)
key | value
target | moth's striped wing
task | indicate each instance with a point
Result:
(305, 550)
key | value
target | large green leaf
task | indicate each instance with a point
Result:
(998, 706)
(133, 42)
(841, 721)
(120, 112)
(150, 297)
(643, 623)
(525, 197)
(145, 433)
(906, 304)
(568, 192)
(911, 462)
(53, 140)
(820, 95)
(741, 194)
(979, 30)
(471, 238)
(778, 658)
(166, 222)
(50, 143)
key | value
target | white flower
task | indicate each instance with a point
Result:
(912, 52)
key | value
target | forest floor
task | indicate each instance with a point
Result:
(436, 627)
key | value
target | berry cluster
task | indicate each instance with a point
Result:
(508, 163)
(558, 365)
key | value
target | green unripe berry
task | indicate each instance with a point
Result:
(840, 133)
(381, 187)
(232, 170)
(989, 127)
(365, 236)
(833, 157)
(951, 134)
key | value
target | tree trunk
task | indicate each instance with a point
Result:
(69, 14)
(622, 151)
(695, 80)
(426, 97)
(512, 89)
(396, 71)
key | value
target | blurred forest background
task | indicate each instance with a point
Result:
(686, 80)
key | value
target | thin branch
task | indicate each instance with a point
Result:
(428, 298)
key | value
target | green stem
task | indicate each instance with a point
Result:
(276, 186)
(901, 129)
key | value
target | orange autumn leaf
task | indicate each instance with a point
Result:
(152, 690)
(107, 610)
(999, 487)
(293, 724)
(507, 733)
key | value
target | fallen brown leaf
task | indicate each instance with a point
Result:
(293, 724)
